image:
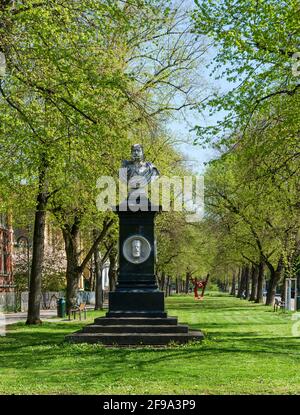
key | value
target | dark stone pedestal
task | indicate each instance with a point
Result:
(136, 304)
(136, 293)
(136, 312)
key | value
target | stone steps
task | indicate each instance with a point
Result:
(139, 314)
(103, 321)
(136, 329)
(125, 339)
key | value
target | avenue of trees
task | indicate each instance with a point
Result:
(249, 239)
(85, 80)
(252, 189)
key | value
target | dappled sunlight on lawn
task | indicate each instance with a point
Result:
(247, 349)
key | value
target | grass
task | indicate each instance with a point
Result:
(248, 349)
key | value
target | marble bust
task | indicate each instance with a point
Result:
(139, 172)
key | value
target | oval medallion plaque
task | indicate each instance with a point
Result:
(136, 249)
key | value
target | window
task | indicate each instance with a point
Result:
(4, 252)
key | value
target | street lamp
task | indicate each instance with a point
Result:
(24, 238)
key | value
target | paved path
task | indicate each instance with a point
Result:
(11, 318)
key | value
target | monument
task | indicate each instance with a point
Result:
(136, 310)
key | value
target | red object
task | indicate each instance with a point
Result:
(198, 284)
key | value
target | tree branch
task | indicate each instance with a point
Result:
(283, 91)
(100, 238)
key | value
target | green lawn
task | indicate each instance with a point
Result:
(249, 349)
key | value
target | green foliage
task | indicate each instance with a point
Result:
(255, 42)
(83, 82)
(250, 211)
(252, 190)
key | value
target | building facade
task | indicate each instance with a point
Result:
(6, 239)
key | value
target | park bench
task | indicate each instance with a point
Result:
(81, 308)
(279, 304)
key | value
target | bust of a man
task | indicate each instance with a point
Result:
(139, 172)
(136, 248)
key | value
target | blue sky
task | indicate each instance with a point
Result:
(181, 126)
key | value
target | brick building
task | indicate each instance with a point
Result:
(6, 238)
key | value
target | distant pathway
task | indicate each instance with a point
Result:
(11, 318)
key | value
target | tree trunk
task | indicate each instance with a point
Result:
(112, 271)
(204, 286)
(233, 283)
(177, 285)
(187, 281)
(274, 279)
(34, 299)
(254, 280)
(162, 281)
(98, 281)
(72, 286)
(283, 289)
(242, 283)
(260, 283)
(98, 275)
(224, 285)
(71, 238)
(247, 282)
(239, 281)
(157, 278)
(92, 276)
(93, 286)
(167, 285)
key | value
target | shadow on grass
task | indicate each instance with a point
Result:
(31, 347)
(44, 346)
(115, 361)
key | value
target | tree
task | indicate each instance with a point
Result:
(265, 218)
(254, 42)
(46, 93)
(74, 89)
